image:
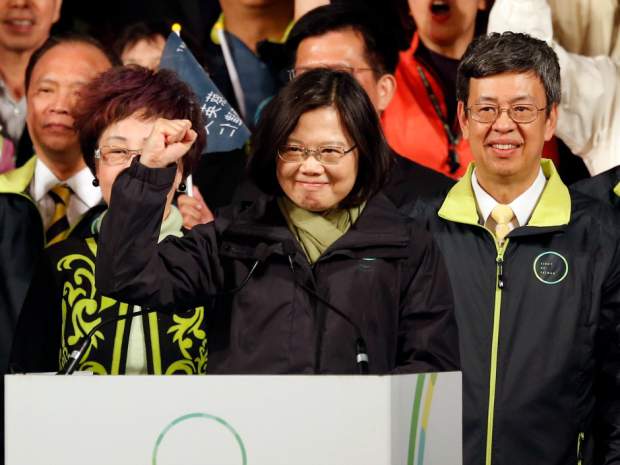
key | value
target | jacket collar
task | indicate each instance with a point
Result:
(219, 26)
(16, 181)
(553, 208)
(379, 225)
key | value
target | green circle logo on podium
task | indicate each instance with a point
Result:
(550, 267)
(202, 434)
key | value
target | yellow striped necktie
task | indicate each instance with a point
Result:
(503, 215)
(59, 226)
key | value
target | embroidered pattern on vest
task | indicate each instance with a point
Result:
(83, 308)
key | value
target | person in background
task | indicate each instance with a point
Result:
(586, 27)
(420, 122)
(589, 117)
(535, 270)
(240, 62)
(290, 296)
(117, 113)
(7, 149)
(142, 44)
(53, 191)
(24, 26)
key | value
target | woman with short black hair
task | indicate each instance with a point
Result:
(302, 279)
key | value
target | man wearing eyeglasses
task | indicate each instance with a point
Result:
(535, 272)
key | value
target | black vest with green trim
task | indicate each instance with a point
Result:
(174, 343)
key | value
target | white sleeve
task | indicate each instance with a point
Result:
(590, 85)
(532, 17)
(589, 108)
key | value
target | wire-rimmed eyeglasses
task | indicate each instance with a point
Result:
(114, 156)
(324, 154)
(521, 113)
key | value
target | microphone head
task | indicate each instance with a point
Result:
(289, 248)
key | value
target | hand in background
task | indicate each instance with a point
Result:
(194, 210)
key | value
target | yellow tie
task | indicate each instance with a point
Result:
(503, 215)
(59, 226)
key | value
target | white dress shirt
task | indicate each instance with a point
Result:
(84, 197)
(523, 206)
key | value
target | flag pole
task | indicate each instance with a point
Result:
(189, 182)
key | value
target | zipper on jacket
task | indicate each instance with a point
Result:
(501, 282)
(500, 272)
(580, 438)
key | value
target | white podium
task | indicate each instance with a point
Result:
(233, 420)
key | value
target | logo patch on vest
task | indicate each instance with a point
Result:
(550, 267)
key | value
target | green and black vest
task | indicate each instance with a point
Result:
(174, 343)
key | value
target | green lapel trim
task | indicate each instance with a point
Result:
(219, 25)
(16, 181)
(617, 189)
(460, 203)
(553, 208)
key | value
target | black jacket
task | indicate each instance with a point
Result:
(409, 181)
(384, 274)
(22, 239)
(604, 186)
(539, 324)
(21, 242)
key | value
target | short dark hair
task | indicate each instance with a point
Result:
(315, 89)
(69, 38)
(381, 43)
(125, 90)
(143, 30)
(510, 52)
(133, 33)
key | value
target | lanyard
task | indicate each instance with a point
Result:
(232, 72)
(453, 139)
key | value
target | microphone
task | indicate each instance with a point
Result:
(75, 356)
(361, 351)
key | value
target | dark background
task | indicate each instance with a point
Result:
(104, 20)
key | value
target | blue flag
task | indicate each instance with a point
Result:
(225, 129)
